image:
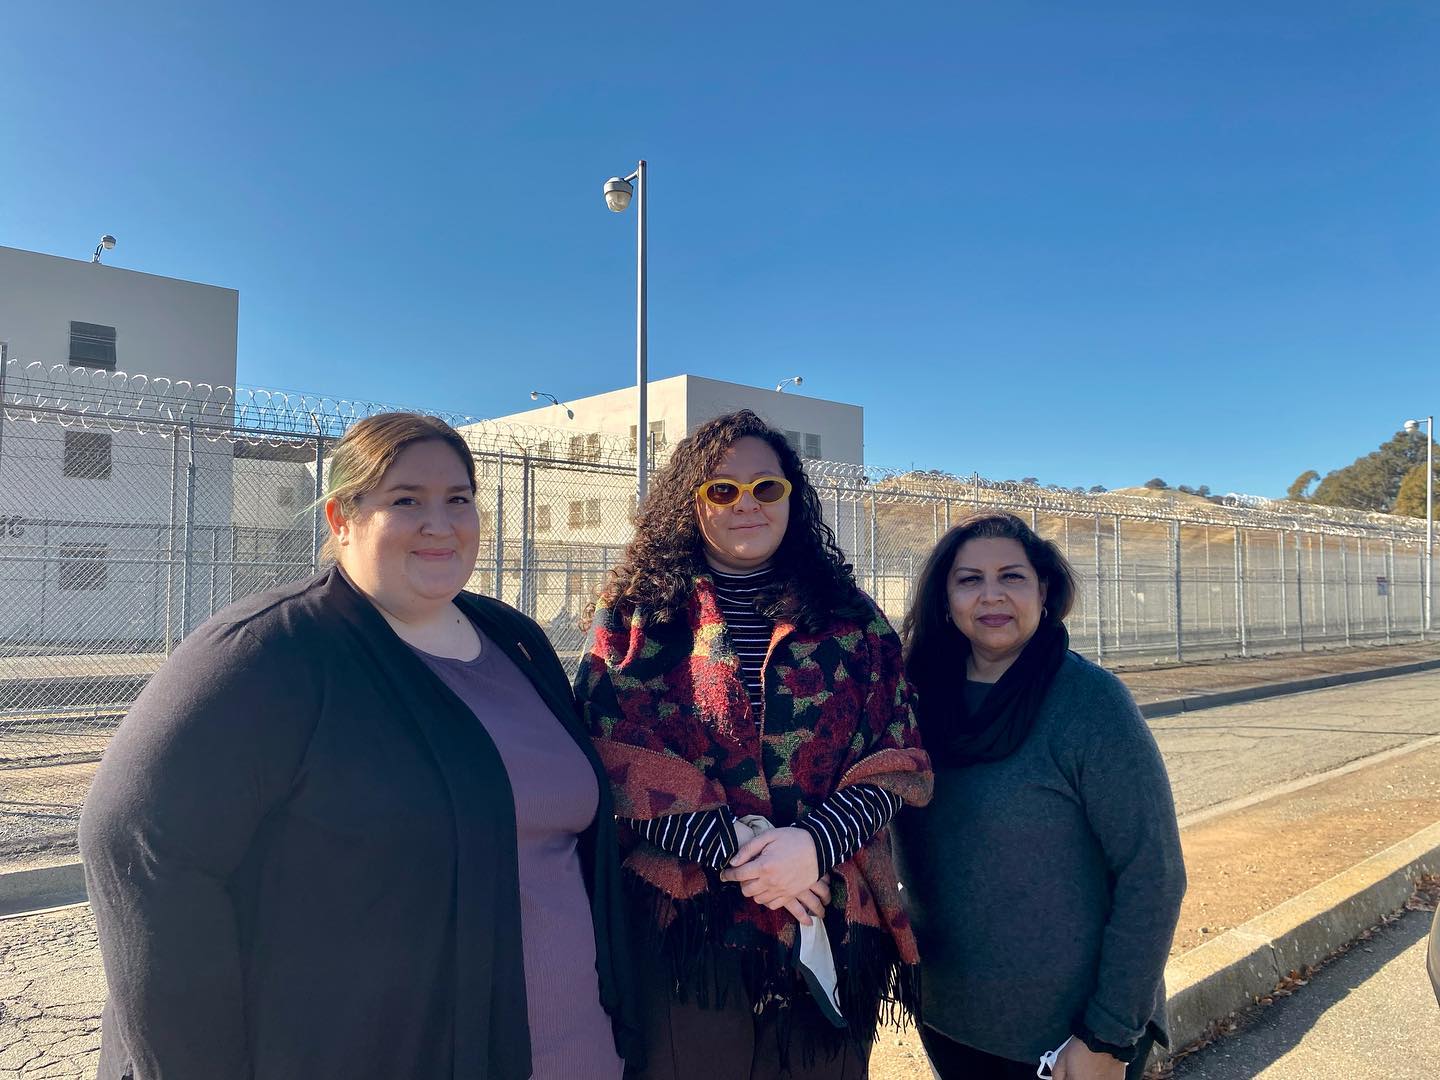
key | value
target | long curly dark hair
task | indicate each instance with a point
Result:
(813, 582)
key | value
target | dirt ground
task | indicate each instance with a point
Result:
(1243, 864)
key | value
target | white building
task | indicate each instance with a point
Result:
(93, 509)
(819, 429)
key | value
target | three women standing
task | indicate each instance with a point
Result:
(749, 703)
(1045, 878)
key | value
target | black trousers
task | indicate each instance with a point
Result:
(686, 1042)
(956, 1061)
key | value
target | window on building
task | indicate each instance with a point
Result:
(793, 438)
(812, 446)
(592, 511)
(87, 455)
(82, 567)
(657, 435)
(92, 345)
(577, 514)
(542, 518)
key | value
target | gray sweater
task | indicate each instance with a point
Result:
(1045, 888)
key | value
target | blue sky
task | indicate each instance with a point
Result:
(1089, 243)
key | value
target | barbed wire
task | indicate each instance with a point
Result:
(120, 400)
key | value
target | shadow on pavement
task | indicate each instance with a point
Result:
(1270, 1032)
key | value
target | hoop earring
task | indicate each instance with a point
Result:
(1044, 612)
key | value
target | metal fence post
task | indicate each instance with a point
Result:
(170, 541)
(1209, 586)
(1119, 610)
(1360, 573)
(189, 532)
(1240, 589)
(1280, 573)
(1324, 621)
(1099, 597)
(1299, 594)
(317, 525)
(947, 513)
(1179, 611)
(500, 525)
(855, 505)
(527, 539)
(1389, 589)
(1345, 585)
(874, 565)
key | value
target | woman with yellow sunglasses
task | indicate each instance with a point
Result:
(749, 704)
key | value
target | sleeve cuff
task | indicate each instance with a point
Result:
(821, 847)
(1100, 1046)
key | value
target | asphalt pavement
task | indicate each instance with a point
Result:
(1368, 1015)
(1216, 755)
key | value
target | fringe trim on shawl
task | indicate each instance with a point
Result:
(874, 986)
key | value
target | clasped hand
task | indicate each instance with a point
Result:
(778, 868)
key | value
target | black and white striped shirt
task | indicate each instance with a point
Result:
(748, 630)
(840, 826)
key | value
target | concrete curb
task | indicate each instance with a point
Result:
(1175, 706)
(1212, 981)
(44, 887)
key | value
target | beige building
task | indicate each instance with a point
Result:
(89, 504)
(820, 430)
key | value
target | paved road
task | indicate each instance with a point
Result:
(1220, 754)
(1369, 1015)
(51, 990)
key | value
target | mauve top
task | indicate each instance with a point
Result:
(555, 799)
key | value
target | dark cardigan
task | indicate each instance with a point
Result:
(300, 851)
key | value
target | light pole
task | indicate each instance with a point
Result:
(796, 379)
(107, 242)
(536, 395)
(618, 190)
(1411, 425)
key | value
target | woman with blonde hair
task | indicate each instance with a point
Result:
(352, 829)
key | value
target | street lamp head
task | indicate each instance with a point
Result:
(795, 379)
(1411, 425)
(534, 395)
(617, 193)
(107, 242)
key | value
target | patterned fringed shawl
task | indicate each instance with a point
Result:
(673, 723)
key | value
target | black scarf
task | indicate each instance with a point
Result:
(954, 736)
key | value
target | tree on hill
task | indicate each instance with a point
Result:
(1411, 497)
(1372, 482)
(1299, 490)
(1156, 484)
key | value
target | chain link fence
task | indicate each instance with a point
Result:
(131, 510)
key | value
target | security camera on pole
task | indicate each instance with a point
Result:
(1410, 427)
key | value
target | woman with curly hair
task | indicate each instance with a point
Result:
(749, 704)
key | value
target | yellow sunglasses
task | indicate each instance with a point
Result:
(767, 490)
